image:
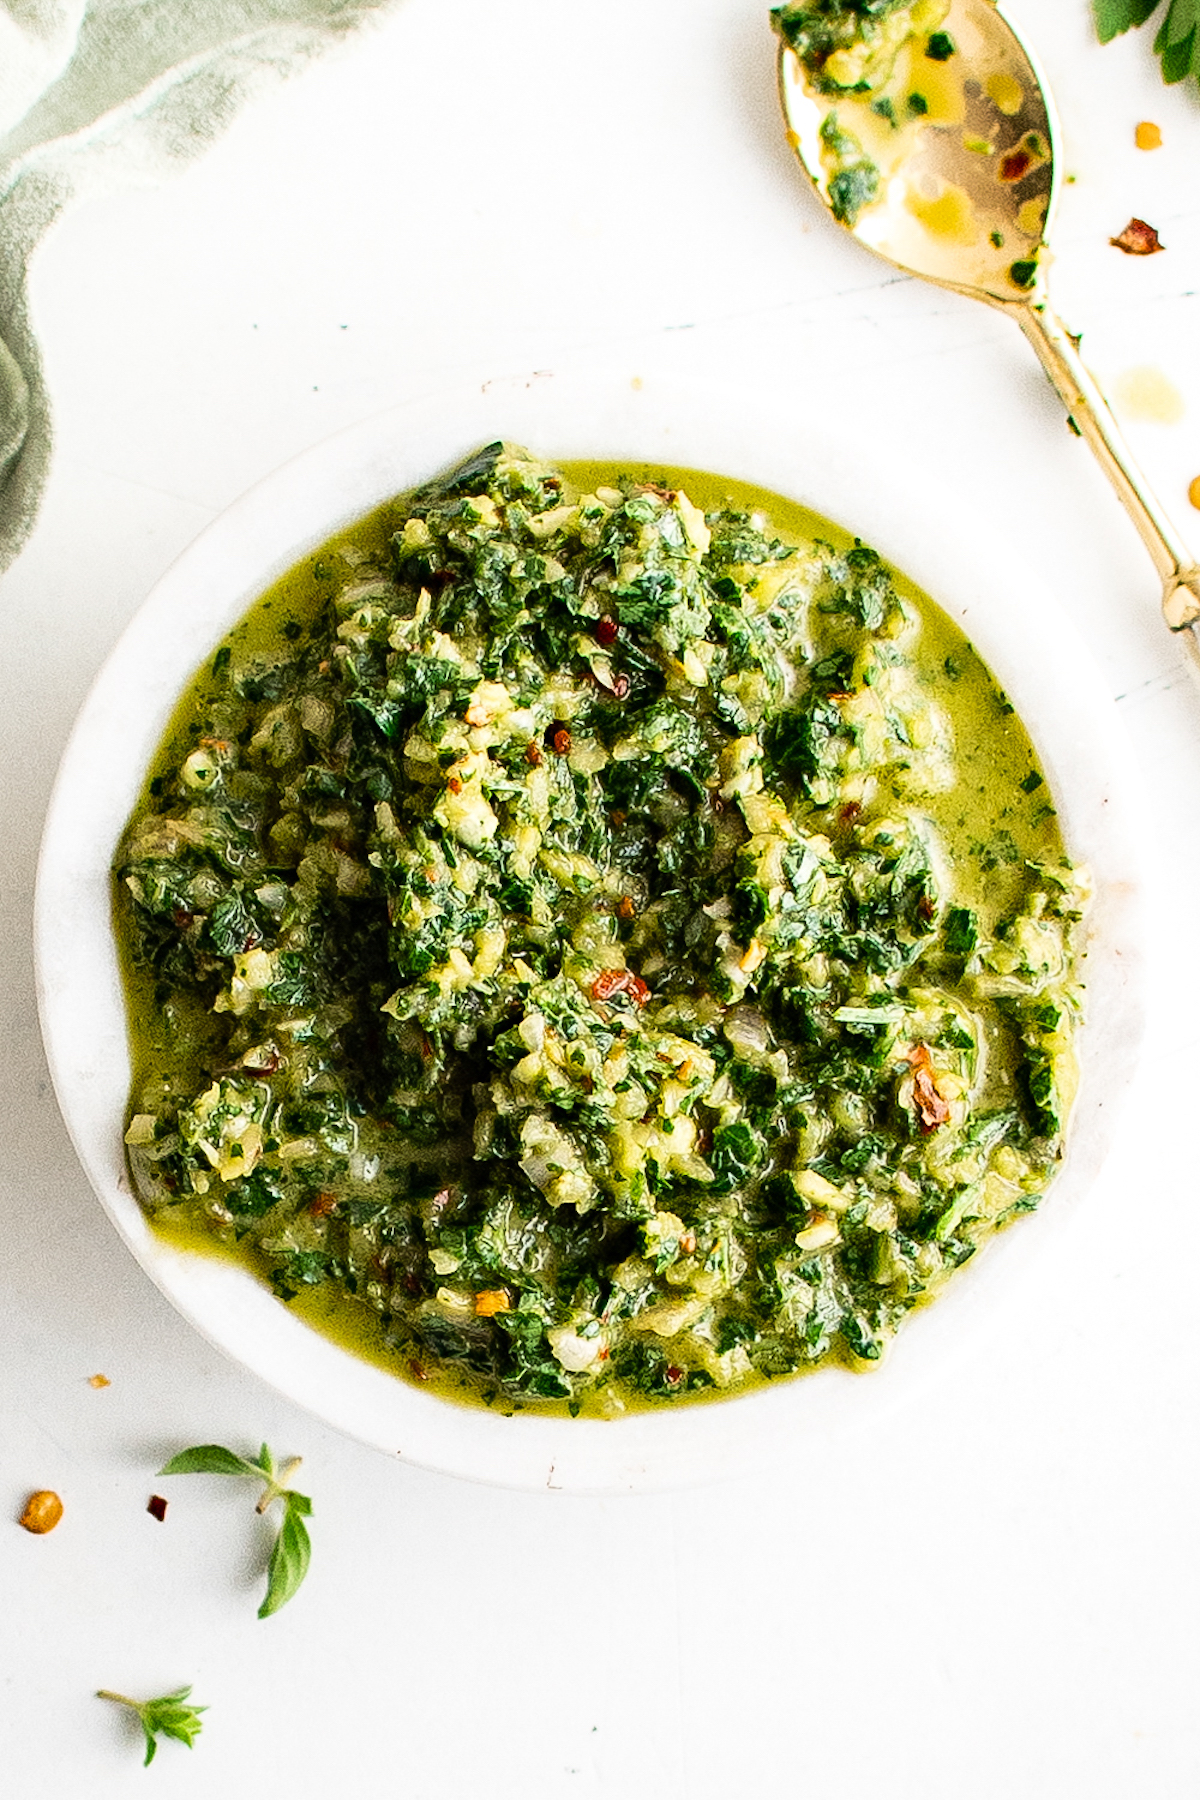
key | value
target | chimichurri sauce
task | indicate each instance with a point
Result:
(597, 938)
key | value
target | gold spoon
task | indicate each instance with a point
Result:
(932, 138)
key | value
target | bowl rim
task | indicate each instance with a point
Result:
(828, 464)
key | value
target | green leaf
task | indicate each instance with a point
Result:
(1114, 17)
(211, 1459)
(291, 1551)
(290, 1557)
(169, 1714)
(1178, 40)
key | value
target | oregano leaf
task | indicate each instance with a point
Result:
(292, 1549)
(209, 1459)
(290, 1557)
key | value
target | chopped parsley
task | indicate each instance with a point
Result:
(562, 948)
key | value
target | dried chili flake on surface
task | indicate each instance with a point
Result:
(932, 1108)
(560, 740)
(1015, 165)
(1138, 239)
(99, 1381)
(156, 1506)
(322, 1204)
(533, 754)
(607, 631)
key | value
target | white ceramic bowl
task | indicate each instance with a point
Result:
(834, 468)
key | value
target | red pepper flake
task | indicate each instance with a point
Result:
(533, 755)
(932, 1109)
(560, 740)
(181, 918)
(850, 814)
(322, 1204)
(607, 631)
(675, 1374)
(926, 908)
(418, 1372)
(1138, 239)
(620, 981)
(99, 1381)
(620, 686)
(626, 910)
(687, 1243)
(454, 784)
(1015, 165)
(156, 1506)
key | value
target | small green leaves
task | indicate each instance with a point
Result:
(1177, 42)
(170, 1714)
(292, 1549)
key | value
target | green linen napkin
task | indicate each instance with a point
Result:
(95, 92)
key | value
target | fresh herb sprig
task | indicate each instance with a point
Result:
(292, 1548)
(1177, 43)
(169, 1714)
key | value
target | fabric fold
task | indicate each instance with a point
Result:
(96, 93)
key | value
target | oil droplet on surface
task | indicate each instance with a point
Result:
(948, 215)
(940, 84)
(1148, 136)
(1146, 394)
(1194, 493)
(1005, 93)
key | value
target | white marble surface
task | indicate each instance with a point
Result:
(994, 1590)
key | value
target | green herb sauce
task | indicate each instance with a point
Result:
(595, 938)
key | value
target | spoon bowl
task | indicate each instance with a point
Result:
(927, 129)
(963, 141)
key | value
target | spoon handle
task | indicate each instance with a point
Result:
(1089, 412)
